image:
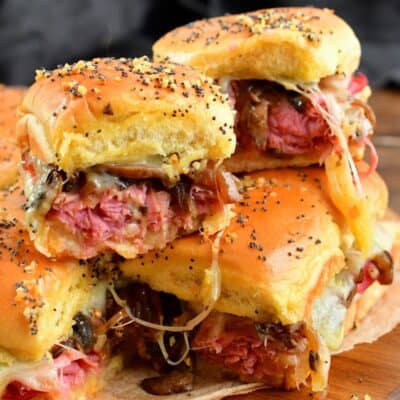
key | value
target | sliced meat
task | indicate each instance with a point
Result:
(278, 120)
(275, 354)
(294, 132)
(71, 368)
(357, 83)
(141, 215)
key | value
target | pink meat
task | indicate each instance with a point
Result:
(203, 198)
(293, 132)
(158, 212)
(131, 215)
(367, 279)
(235, 345)
(267, 119)
(357, 83)
(72, 369)
(112, 211)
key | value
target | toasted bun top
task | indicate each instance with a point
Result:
(294, 44)
(277, 255)
(39, 297)
(10, 97)
(126, 111)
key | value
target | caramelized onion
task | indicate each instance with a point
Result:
(384, 262)
(367, 110)
(373, 159)
(136, 171)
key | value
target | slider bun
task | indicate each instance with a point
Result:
(281, 248)
(39, 297)
(294, 44)
(10, 97)
(250, 160)
(125, 111)
(277, 255)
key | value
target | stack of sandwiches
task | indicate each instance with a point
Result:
(201, 225)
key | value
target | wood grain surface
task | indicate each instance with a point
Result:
(369, 369)
(386, 105)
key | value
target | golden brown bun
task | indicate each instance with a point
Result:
(39, 297)
(126, 111)
(294, 44)
(277, 255)
(10, 97)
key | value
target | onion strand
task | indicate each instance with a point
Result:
(343, 178)
(164, 351)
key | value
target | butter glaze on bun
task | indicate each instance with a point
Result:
(125, 111)
(294, 44)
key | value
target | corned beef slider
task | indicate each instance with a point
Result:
(265, 303)
(49, 315)
(123, 155)
(290, 75)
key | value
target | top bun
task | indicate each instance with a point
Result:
(292, 44)
(126, 111)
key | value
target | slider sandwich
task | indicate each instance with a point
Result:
(52, 345)
(290, 75)
(268, 300)
(123, 155)
(50, 312)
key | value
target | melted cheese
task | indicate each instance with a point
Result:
(330, 309)
(40, 376)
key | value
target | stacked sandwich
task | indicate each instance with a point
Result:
(140, 247)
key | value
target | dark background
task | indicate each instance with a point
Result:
(44, 33)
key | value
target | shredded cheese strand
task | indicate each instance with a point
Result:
(213, 275)
(164, 351)
(344, 181)
(334, 124)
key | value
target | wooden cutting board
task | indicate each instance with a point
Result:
(368, 369)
